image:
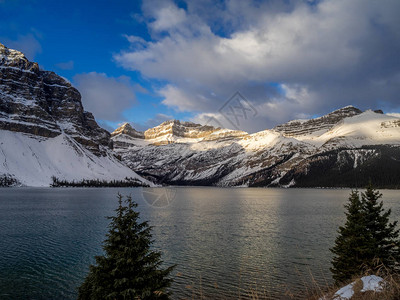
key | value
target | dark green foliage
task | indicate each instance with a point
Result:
(7, 181)
(383, 237)
(350, 246)
(381, 167)
(129, 269)
(367, 241)
(128, 182)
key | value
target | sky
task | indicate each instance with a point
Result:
(246, 65)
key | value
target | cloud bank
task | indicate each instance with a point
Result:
(291, 60)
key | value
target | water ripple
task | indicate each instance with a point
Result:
(225, 242)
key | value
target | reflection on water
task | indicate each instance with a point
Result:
(227, 242)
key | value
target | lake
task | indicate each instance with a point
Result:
(226, 242)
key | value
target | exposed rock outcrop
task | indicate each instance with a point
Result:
(45, 131)
(306, 127)
(172, 131)
(176, 128)
(129, 131)
(343, 148)
(44, 104)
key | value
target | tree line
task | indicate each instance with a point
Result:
(6, 181)
(127, 182)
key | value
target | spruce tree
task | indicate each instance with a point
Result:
(350, 246)
(382, 236)
(129, 269)
(367, 241)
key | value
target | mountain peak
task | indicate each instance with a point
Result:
(172, 121)
(127, 129)
(44, 104)
(126, 126)
(175, 122)
(179, 129)
(11, 52)
(348, 110)
(332, 150)
(348, 106)
(307, 127)
(15, 59)
(40, 110)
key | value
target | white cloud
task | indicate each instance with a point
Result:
(287, 106)
(175, 97)
(134, 39)
(322, 56)
(106, 97)
(214, 119)
(168, 17)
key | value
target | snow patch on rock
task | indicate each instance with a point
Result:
(370, 283)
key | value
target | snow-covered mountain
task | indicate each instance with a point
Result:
(44, 130)
(344, 148)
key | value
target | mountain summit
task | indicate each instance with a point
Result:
(172, 131)
(45, 132)
(344, 148)
(44, 104)
(44, 129)
(307, 127)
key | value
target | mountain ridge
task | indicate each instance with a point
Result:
(45, 104)
(45, 130)
(333, 118)
(282, 156)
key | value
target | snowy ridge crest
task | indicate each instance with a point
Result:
(340, 145)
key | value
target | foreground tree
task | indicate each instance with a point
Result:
(129, 269)
(367, 241)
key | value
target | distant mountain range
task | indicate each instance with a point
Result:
(345, 148)
(45, 132)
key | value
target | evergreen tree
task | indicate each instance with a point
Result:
(129, 269)
(366, 238)
(350, 246)
(382, 236)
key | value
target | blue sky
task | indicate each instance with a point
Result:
(78, 37)
(148, 61)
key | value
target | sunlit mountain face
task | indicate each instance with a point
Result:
(344, 148)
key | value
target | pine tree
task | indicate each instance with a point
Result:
(366, 238)
(350, 246)
(382, 236)
(129, 269)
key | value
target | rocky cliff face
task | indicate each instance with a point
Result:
(44, 104)
(45, 131)
(127, 129)
(178, 129)
(298, 128)
(172, 131)
(343, 148)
